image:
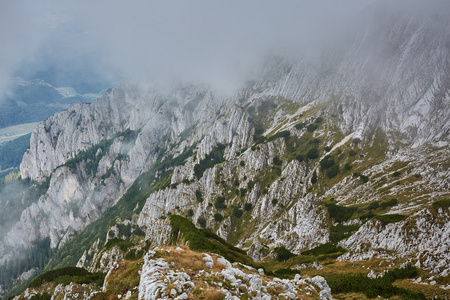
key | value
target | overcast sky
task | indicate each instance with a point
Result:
(214, 42)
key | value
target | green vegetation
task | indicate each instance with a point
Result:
(220, 203)
(312, 127)
(340, 213)
(202, 222)
(250, 185)
(237, 212)
(44, 296)
(281, 134)
(215, 157)
(199, 196)
(327, 162)
(313, 153)
(386, 219)
(122, 244)
(248, 206)
(389, 203)
(340, 232)
(360, 283)
(444, 204)
(67, 275)
(327, 248)
(283, 254)
(314, 178)
(218, 217)
(205, 240)
(332, 171)
(277, 161)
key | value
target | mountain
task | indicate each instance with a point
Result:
(333, 163)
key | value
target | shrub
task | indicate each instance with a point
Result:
(282, 134)
(220, 203)
(386, 219)
(396, 174)
(122, 244)
(312, 153)
(444, 204)
(312, 127)
(360, 283)
(374, 205)
(250, 185)
(327, 162)
(340, 232)
(364, 178)
(356, 141)
(190, 212)
(259, 130)
(277, 161)
(242, 192)
(218, 217)
(340, 213)
(237, 212)
(348, 166)
(327, 248)
(242, 163)
(265, 191)
(236, 182)
(198, 195)
(352, 152)
(327, 148)
(67, 275)
(248, 206)
(333, 171)
(44, 296)
(389, 203)
(300, 157)
(202, 222)
(215, 157)
(314, 178)
(300, 125)
(318, 120)
(283, 254)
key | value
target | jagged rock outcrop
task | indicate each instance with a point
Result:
(422, 239)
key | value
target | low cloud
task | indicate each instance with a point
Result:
(213, 42)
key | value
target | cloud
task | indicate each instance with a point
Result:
(214, 42)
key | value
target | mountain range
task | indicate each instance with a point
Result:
(335, 162)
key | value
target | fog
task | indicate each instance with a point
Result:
(201, 41)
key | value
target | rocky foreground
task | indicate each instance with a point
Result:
(179, 273)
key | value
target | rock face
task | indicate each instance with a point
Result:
(247, 172)
(423, 239)
(233, 280)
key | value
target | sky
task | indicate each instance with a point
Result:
(201, 41)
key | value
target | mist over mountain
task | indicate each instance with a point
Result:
(326, 156)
